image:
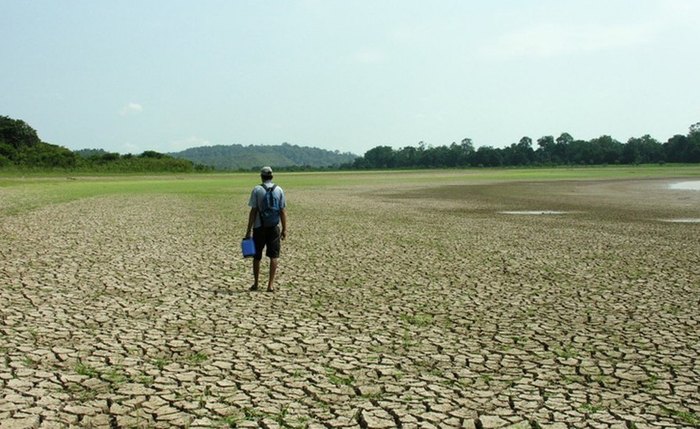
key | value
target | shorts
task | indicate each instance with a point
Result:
(268, 238)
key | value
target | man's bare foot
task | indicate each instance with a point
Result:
(270, 289)
(253, 288)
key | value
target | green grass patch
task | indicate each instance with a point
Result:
(589, 408)
(160, 363)
(486, 378)
(650, 383)
(86, 370)
(566, 352)
(197, 358)
(686, 417)
(418, 319)
(230, 421)
(338, 379)
(29, 362)
(251, 414)
(114, 376)
(146, 380)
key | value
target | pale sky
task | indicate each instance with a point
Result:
(129, 76)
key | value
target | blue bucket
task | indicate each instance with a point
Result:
(248, 248)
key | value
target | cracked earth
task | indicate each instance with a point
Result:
(397, 306)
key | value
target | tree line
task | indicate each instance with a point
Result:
(20, 147)
(549, 151)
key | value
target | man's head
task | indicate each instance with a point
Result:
(266, 173)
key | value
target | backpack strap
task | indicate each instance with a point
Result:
(268, 189)
(271, 189)
(268, 192)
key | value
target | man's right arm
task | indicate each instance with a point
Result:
(252, 203)
(251, 221)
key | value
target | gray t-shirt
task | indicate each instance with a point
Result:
(257, 196)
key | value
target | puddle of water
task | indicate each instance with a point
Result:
(686, 186)
(533, 212)
(682, 220)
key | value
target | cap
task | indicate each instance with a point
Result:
(266, 171)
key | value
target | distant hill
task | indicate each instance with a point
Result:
(239, 157)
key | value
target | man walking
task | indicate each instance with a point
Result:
(267, 211)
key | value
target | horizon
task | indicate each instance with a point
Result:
(476, 147)
(347, 78)
(221, 145)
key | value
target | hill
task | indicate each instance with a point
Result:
(21, 146)
(239, 157)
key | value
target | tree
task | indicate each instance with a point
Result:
(380, 157)
(467, 145)
(545, 152)
(681, 148)
(520, 153)
(640, 150)
(8, 151)
(580, 152)
(151, 154)
(676, 148)
(564, 139)
(444, 156)
(108, 157)
(693, 152)
(605, 150)
(561, 150)
(694, 129)
(487, 156)
(46, 155)
(17, 133)
(461, 153)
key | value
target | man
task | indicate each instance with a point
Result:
(267, 206)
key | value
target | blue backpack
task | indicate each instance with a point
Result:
(270, 208)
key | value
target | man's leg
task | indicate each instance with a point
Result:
(256, 273)
(273, 252)
(273, 270)
(259, 239)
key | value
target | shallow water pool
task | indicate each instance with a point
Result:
(693, 185)
(533, 212)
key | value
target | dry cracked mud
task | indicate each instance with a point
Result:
(399, 306)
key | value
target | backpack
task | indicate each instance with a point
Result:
(270, 208)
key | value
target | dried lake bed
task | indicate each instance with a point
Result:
(408, 302)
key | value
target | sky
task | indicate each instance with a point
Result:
(129, 76)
